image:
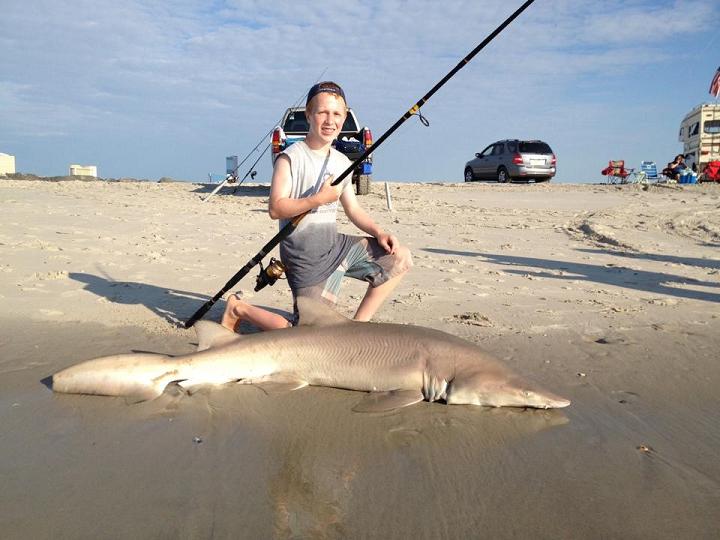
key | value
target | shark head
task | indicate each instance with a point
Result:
(481, 389)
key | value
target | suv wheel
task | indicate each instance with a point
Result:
(362, 184)
(469, 176)
(502, 175)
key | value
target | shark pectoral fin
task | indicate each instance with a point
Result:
(314, 312)
(387, 401)
(212, 334)
(278, 385)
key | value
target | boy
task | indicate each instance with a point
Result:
(315, 255)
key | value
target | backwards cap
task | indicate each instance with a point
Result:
(325, 86)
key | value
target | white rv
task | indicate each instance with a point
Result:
(700, 135)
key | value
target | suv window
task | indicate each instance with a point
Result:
(487, 151)
(534, 147)
(498, 149)
(297, 123)
(350, 124)
(512, 146)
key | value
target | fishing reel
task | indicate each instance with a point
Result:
(269, 274)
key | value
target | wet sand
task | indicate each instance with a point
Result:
(607, 295)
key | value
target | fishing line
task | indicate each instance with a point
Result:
(264, 137)
(232, 175)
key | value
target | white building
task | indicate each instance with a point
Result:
(7, 164)
(83, 170)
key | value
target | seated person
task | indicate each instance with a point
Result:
(675, 167)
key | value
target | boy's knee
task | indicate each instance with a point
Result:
(403, 260)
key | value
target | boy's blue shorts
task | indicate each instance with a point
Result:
(366, 261)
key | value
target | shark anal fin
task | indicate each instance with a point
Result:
(278, 385)
(387, 401)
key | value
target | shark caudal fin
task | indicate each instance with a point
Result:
(138, 377)
(212, 334)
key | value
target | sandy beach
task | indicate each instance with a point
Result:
(606, 295)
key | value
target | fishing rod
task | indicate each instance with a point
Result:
(251, 171)
(232, 175)
(292, 225)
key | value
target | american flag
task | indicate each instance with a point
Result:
(715, 84)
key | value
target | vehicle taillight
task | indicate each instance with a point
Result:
(367, 137)
(517, 159)
(553, 161)
(276, 141)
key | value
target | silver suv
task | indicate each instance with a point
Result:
(513, 159)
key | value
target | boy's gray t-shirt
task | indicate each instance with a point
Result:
(315, 249)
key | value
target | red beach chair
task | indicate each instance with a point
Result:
(712, 172)
(616, 172)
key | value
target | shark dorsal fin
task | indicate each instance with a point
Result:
(314, 312)
(212, 334)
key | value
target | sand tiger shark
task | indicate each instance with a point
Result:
(397, 365)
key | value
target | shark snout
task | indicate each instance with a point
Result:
(543, 400)
(479, 390)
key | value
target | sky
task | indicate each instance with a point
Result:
(151, 88)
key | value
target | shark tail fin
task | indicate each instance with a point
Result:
(146, 393)
(135, 376)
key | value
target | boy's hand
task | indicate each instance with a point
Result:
(388, 242)
(329, 193)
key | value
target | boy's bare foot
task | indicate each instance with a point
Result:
(234, 310)
(237, 311)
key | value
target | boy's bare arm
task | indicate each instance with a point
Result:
(282, 206)
(362, 220)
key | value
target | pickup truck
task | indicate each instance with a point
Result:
(352, 142)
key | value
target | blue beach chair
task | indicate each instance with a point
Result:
(651, 172)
